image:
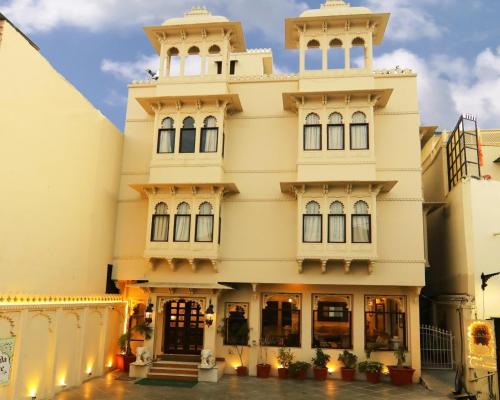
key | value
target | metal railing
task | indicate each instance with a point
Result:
(436, 348)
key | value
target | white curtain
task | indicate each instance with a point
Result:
(359, 133)
(205, 223)
(335, 132)
(160, 223)
(166, 141)
(361, 228)
(312, 133)
(182, 223)
(312, 228)
(337, 229)
(209, 135)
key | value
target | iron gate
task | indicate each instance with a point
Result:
(436, 348)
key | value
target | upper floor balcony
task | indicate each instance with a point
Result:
(337, 221)
(184, 223)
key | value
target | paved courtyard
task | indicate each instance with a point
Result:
(232, 387)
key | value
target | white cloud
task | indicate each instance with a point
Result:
(448, 87)
(115, 99)
(130, 70)
(98, 15)
(409, 18)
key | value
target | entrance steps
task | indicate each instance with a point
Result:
(175, 367)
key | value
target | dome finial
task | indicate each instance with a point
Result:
(197, 11)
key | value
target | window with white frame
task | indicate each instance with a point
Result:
(209, 135)
(166, 136)
(312, 223)
(159, 223)
(205, 223)
(361, 223)
(182, 225)
(335, 137)
(359, 131)
(188, 136)
(312, 132)
(336, 223)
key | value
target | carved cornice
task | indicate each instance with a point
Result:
(39, 301)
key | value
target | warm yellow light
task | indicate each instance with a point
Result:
(33, 393)
(110, 363)
(385, 370)
(331, 370)
(89, 370)
(62, 382)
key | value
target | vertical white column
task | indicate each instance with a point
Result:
(15, 391)
(302, 53)
(80, 352)
(324, 52)
(413, 319)
(347, 47)
(103, 343)
(52, 353)
(369, 53)
(254, 336)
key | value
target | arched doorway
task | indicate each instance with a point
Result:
(184, 323)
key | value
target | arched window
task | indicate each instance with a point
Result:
(335, 137)
(174, 62)
(205, 223)
(159, 223)
(359, 131)
(193, 62)
(336, 223)
(336, 55)
(312, 132)
(188, 136)
(361, 223)
(166, 136)
(358, 53)
(182, 225)
(312, 224)
(313, 56)
(209, 135)
(214, 49)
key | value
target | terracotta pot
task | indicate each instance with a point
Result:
(263, 370)
(242, 371)
(347, 374)
(401, 375)
(301, 374)
(320, 374)
(123, 361)
(283, 373)
(373, 377)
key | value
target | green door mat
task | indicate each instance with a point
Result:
(166, 382)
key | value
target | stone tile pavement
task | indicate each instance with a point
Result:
(235, 388)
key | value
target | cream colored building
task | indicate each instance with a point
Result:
(463, 231)
(59, 165)
(294, 201)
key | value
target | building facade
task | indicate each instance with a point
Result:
(293, 202)
(463, 234)
(60, 164)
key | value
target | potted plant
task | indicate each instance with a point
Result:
(320, 362)
(285, 358)
(263, 368)
(349, 361)
(370, 368)
(298, 370)
(236, 336)
(401, 374)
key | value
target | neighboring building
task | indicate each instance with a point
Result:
(463, 231)
(291, 201)
(59, 167)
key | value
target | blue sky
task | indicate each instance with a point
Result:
(99, 45)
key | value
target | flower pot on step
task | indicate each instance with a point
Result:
(373, 377)
(283, 373)
(242, 371)
(347, 374)
(401, 375)
(320, 374)
(263, 370)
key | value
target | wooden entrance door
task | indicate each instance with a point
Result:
(184, 323)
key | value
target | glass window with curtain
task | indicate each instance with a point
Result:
(361, 223)
(159, 224)
(332, 321)
(182, 224)
(236, 324)
(166, 136)
(336, 223)
(188, 136)
(385, 322)
(205, 223)
(280, 319)
(359, 131)
(312, 224)
(209, 135)
(312, 132)
(335, 132)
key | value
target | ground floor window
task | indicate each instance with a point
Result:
(331, 321)
(385, 322)
(236, 324)
(281, 319)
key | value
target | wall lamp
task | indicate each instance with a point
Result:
(209, 314)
